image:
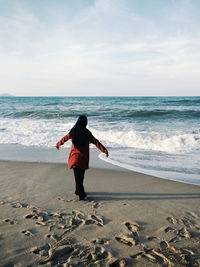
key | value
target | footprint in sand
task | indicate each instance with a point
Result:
(83, 253)
(33, 208)
(41, 217)
(97, 205)
(101, 241)
(137, 255)
(35, 250)
(152, 238)
(65, 200)
(149, 257)
(19, 205)
(99, 253)
(42, 251)
(73, 261)
(47, 236)
(40, 223)
(76, 222)
(60, 198)
(9, 221)
(57, 254)
(164, 244)
(27, 232)
(192, 214)
(61, 226)
(187, 251)
(119, 263)
(188, 222)
(126, 240)
(183, 232)
(31, 216)
(53, 237)
(169, 255)
(68, 226)
(86, 256)
(169, 229)
(133, 227)
(94, 219)
(171, 220)
(57, 214)
(157, 256)
(78, 214)
(98, 219)
(89, 221)
(174, 239)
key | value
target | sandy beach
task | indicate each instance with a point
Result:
(129, 219)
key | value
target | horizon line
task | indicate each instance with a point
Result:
(2, 95)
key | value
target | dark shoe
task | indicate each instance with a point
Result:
(83, 197)
(76, 193)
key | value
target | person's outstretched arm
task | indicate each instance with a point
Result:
(63, 140)
(100, 146)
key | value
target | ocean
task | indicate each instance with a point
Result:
(153, 135)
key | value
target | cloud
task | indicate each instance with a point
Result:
(104, 47)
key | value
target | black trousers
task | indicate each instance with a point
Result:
(79, 177)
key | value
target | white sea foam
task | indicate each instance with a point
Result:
(32, 132)
(150, 140)
(48, 132)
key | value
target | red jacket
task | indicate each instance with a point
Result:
(79, 157)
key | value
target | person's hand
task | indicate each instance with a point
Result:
(57, 146)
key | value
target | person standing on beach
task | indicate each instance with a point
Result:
(78, 159)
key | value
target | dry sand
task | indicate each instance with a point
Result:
(129, 219)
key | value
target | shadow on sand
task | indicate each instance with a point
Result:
(141, 196)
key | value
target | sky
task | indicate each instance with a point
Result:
(100, 47)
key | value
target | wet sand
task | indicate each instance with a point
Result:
(129, 219)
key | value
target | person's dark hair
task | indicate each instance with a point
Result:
(79, 132)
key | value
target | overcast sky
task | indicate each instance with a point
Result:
(100, 47)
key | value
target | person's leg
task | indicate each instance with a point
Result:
(79, 183)
(76, 183)
(79, 178)
(82, 193)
